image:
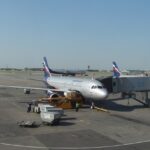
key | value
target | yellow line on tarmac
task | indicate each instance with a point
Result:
(101, 109)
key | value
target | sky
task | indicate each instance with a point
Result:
(73, 34)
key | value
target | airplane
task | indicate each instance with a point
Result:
(118, 74)
(88, 88)
(64, 72)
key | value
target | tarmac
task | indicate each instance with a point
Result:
(126, 125)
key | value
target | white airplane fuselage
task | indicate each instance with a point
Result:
(89, 88)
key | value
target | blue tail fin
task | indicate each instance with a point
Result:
(116, 71)
(46, 68)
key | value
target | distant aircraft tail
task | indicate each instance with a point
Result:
(46, 68)
(116, 71)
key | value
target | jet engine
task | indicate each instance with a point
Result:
(52, 94)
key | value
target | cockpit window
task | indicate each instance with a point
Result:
(100, 87)
(96, 87)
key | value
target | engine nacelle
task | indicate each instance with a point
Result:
(52, 94)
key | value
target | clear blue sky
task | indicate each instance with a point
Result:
(75, 33)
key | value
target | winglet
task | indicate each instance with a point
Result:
(116, 71)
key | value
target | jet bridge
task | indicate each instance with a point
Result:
(131, 84)
(128, 86)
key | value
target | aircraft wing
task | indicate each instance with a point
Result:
(32, 88)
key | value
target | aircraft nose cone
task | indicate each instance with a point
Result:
(103, 93)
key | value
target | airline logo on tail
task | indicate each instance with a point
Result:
(46, 68)
(116, 72)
